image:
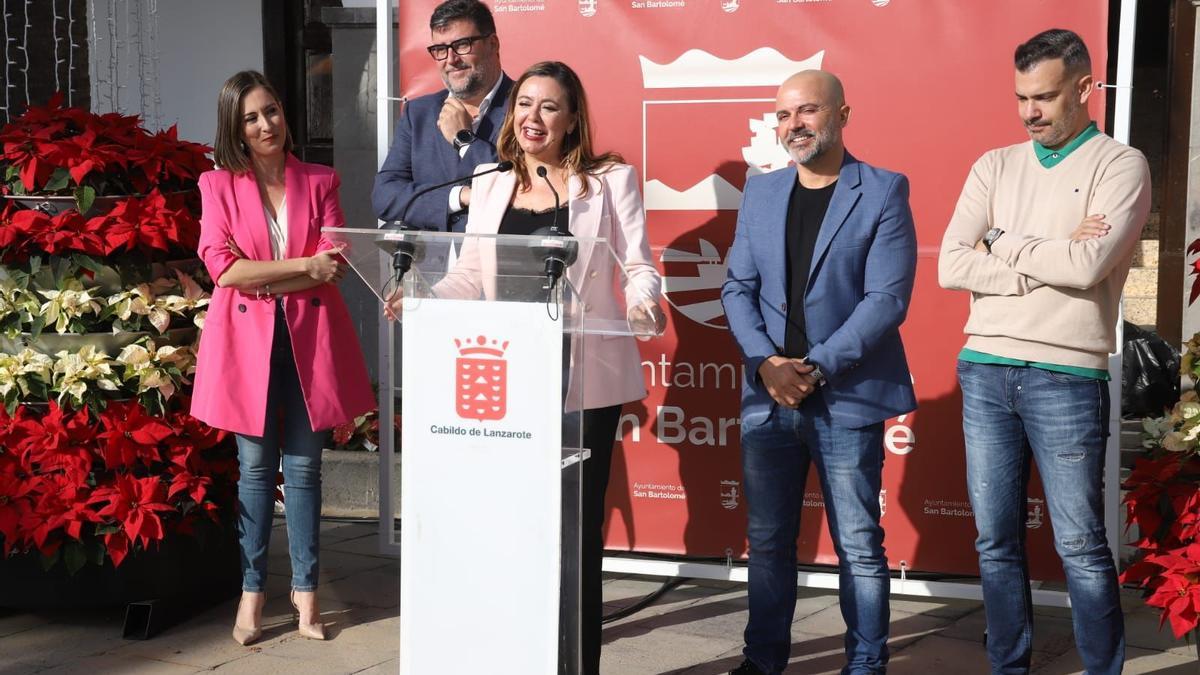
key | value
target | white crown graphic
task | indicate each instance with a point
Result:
(763, 67)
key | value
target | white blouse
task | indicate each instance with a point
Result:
(278, 230)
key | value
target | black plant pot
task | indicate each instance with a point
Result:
(180, 571)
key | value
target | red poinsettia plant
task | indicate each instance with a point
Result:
(1163, 502)
(92, 468)
(53, 150)
(80, 485)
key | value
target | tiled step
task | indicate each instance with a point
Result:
(1142, 282)
(1146, 254)
(1141, 311)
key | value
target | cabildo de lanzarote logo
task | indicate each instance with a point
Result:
(481, 379)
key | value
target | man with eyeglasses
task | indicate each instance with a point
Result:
(447, 134)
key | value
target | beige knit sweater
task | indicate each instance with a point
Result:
(1039, 296)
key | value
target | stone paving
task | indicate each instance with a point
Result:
(694, 629)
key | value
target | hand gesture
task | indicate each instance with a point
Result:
(325, 267)
(393, 307)
(647, 320)
(1092, 227)
(454, 118)
(787, 380)
(234, 249)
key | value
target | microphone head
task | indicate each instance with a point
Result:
(506, 165)
(541, 171)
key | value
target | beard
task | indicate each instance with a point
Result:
(822, 141)
(472, 86)
(1058, 131)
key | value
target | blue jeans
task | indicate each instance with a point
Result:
(1010, 414)
(775, 460)
(289, 431)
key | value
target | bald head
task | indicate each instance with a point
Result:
(820, 83)
(811, 110)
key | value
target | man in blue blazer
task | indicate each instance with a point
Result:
(819, 280)
(430, 146)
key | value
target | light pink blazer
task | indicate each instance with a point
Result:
(611, 209)
(234, 362)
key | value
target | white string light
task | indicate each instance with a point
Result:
(25, 41)
(70, 53)
(7, 80)
(141, 60)
(54, 32)
(154, 54)
(114, 82)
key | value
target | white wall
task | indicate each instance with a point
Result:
(197, 44)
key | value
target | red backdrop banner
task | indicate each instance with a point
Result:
(684, 89)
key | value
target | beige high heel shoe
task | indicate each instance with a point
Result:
(312, 631)
(246, 636)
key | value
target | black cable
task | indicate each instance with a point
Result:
(646, 601)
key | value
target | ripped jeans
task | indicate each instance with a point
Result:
(1010, 415)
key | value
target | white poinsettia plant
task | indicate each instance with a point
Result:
(90, 377)
(160, 370)
(71, 307)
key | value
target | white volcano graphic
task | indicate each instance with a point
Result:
(711, 194)
(763, 67)
(702, 307)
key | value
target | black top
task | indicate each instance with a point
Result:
(517, 220)
(806, 210)
(516, 263)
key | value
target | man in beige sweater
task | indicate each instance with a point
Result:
(1042, 236)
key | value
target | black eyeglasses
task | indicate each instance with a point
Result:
(461, 46)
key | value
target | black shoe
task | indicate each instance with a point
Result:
(747, 668)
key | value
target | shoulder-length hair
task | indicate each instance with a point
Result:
(577, 154)
(230, 151)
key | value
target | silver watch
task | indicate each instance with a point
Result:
(816, 372)
(991, 237)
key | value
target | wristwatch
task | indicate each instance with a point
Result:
(463, 138)
(815, 372)
(991, 237)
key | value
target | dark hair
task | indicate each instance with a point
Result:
(1055, 43)
(577, 154)
(471, 10)
(229, 151)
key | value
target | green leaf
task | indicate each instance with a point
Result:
(84, 198)
(87, 262)
(59, 180)
(38, 390)
(39, 323)
(97, 552)
(49, 561)
(10, 172)
(107, 528)
(75, 555)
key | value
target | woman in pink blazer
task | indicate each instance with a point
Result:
(547, 128)
(267, 366)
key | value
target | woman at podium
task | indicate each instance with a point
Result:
(267, 368)
(560, 185)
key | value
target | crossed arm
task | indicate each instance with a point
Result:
(1019, 263)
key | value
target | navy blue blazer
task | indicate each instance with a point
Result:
(859, 285)
(420, 157)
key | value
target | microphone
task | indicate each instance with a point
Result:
(556, 255)
(542, 173)
(502, 166)
(405, 253)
